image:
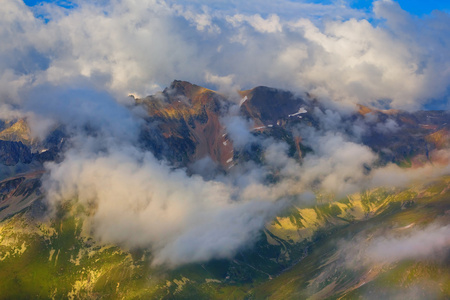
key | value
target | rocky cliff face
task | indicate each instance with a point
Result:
(12, 153)
(185, 124)
(188, 121)
(268, 106)
(17, 146)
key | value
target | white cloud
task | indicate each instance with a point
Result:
(387, 127)
(269, 25)
(138, 46)
(428, 243)
(225, 84)
(140, 202)
(238, 128)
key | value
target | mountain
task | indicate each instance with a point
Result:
(378, 242)
(188, 121)
(296, 256)
(189, 127)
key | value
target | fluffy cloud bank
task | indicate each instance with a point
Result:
(129, 46)
(140, 202)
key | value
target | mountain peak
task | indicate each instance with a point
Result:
(187, 89)
(18, 132)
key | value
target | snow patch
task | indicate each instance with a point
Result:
(302, 110)
(243, 100)
(261, 127)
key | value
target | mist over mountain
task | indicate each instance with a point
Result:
(189, 175)
(296, 158)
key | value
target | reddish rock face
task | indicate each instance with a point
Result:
(184, 124)
(188, 117)
(440, 138)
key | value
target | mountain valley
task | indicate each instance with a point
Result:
(335, 236)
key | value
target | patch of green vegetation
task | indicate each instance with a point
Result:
(60, 263)
(296, 217)
(371, 199)
(55, 259)
(405, 163)
(324, 273)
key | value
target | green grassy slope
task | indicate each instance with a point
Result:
(316, 252)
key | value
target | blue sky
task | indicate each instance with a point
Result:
(63, 3)
(416, 7)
